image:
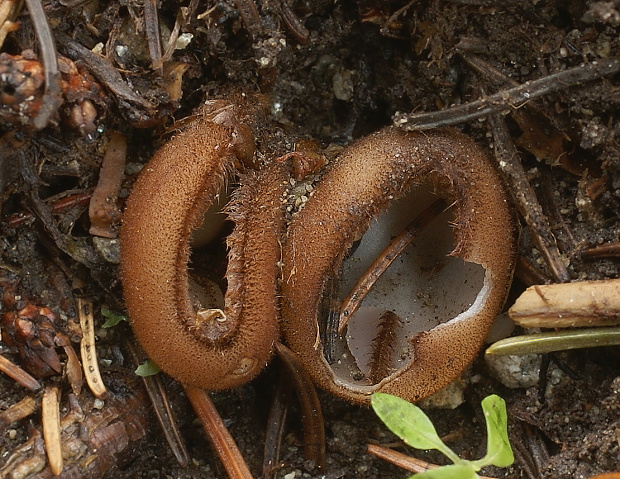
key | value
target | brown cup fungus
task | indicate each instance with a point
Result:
(189, 335)
(424, 319)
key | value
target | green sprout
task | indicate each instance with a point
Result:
(112, 318)
(147, 368)
(414, 427)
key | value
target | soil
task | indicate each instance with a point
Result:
(358, 64)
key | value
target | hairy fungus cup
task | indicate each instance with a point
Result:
(199, 344)
(467, 259)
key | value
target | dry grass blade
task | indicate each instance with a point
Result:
(50, 406)
(18, 374)
(87, 349)
(221, 439)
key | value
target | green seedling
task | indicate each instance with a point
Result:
(112, 318)
(414, 427)
(147, 368)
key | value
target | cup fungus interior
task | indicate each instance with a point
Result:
(425, 287)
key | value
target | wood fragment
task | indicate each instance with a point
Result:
(87, 349)
(18, 374)
(151, 26)
(220, 437)
(585, 303)
(20, 410)
(103, 211)
(250, 16)
(508, 99)
(50, 408)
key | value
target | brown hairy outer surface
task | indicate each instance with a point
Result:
(167, 203)
(360, 184)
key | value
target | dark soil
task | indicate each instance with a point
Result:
(361, 63)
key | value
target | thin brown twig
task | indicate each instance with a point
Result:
(511, 98)
(363, 286)
(219, 435)
(161, 404)
(310, 406)
(151, 27)
(19, 375)
(607, 250)
(275, 425)
(294, 24)
(511, 168)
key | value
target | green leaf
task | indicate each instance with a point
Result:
(409, 423)
(112, 319)
(455, 471)
(499, 453)
(147, 368)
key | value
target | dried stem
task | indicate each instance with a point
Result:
(19, 410)
(607, 250)
(275, 424)
(311, 413)
(402, 460)
(163, 410)
(511, 98)
(18, 374)
(219, 435)
(511, 168)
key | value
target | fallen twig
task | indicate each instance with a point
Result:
(511, 98)
(220, 437)
(511, 168)
(584, 303)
